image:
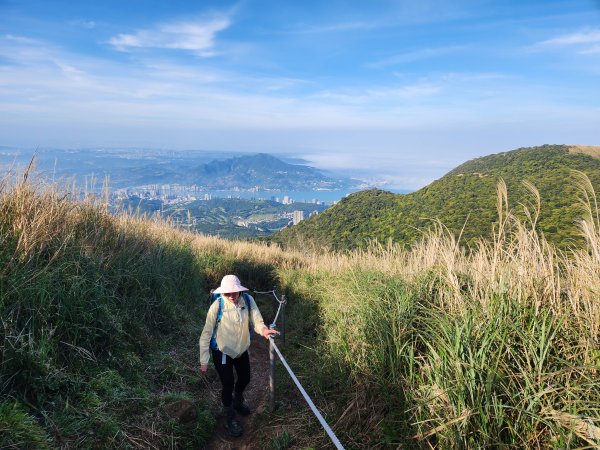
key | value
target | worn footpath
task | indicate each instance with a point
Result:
(257, 398)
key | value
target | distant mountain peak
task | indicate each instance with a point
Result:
(263, 170)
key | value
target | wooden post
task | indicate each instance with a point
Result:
(272, 356)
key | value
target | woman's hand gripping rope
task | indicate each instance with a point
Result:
(268, 332)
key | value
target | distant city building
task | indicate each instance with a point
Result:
(207, 197)
(287, 200)
(298, 217)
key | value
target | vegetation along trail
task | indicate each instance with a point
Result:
(436, 345)
(100, 319)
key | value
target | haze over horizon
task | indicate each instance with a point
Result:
(400, 89)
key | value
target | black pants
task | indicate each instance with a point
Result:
(225, 371)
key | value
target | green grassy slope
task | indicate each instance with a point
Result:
(91, 307)
(465, 197)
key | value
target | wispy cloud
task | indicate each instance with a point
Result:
(586, 41)
(24, 51)
(417, 55)
(380, 96)
(87, 24)
(339, 27)
(194, 36)
(46, 80)
(18, 39)
(468, 77)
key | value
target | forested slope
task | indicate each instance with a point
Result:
(464, 200)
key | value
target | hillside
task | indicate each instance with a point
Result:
(465, 197)
(428, 348)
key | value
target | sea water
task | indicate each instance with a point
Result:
(327, 197)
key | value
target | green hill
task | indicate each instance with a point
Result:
(464, 197)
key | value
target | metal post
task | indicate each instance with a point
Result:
(272, 356)
(283, 319)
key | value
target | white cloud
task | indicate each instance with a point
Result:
(586, 41)
(87, 24)
(591, 50)
(340, 27)
(19, 39)
(49, 80)
(468, 77)
(409, 92)
(193, 36)
(380, 95)
(408, 57)
(584, 37)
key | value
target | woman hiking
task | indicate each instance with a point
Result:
(226, 335)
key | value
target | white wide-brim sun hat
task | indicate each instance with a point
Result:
(230, 283)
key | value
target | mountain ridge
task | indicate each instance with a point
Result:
(464, 200)
(131, 168)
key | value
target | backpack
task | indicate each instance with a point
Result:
(218, 297)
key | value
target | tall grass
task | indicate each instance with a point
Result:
(438, 347)
(86, 301)
(492, 347)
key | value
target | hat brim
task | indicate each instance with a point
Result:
(225, 290)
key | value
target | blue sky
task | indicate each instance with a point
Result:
(400, 90)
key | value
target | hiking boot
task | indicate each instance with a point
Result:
(240, 406)
(233, 426)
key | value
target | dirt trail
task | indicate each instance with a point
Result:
(257, 397)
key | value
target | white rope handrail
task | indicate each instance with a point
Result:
(314, 409)
(324, 424)
(281, 303)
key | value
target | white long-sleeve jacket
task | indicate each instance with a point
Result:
(233, 335)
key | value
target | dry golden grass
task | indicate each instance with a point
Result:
(591, 150)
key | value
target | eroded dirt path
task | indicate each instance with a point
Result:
(257, 397)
